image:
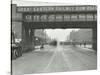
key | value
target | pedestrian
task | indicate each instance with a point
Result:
(42, 46)
(80, 43)
(84, 44)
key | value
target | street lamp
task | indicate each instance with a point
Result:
(45, 36)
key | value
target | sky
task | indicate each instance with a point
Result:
(59, 34)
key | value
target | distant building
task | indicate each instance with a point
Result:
(82, 35)
(40, 33)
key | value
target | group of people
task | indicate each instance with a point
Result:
(81, 43)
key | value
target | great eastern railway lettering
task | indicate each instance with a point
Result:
(60, 17)
(57, 8)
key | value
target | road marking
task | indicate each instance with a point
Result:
(50, 61)
(66, 61)
(63, 55)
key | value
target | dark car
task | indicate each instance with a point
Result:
(53, 43)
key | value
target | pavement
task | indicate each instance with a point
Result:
(86, 46)
(55, 59)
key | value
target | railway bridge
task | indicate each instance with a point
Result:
(51, 17)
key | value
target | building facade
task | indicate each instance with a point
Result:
(82, 35)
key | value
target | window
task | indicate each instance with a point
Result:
(36, 18)
(59, 17)
(82, 17)
(89, 17)
(28, 17)
(66, 17)
(51, 18)
(95, 17)
(74, 17)
(43, 18)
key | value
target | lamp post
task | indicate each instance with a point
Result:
(45, 36)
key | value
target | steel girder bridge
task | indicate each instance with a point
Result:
(51, 17)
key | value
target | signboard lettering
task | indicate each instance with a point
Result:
(56, 8)
(60, 17)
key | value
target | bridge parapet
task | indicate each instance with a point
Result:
(78, 8)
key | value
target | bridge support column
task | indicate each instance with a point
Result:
(94, 31)
(33, 38)
(27, 34)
